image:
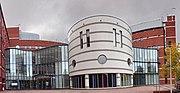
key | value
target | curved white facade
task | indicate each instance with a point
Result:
(100, 48)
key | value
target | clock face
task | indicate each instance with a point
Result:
(102, 59)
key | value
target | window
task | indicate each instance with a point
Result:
(88, 38)
(120, 39)
(141, 38)
(154, 46)
(136, 39)
(74, 63)
(129, 61)
(149, 67)
(133, 40)
(81, 39)
(102, 80)
(102, 59)
(114, 37)
(117, 38)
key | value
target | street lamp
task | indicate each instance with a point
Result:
(170, 72)
(170, 65)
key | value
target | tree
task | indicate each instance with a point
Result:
(175, 61)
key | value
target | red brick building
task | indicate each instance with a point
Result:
(4, 41)
(156, 37)
(16, 41)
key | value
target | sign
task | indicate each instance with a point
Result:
(14, 84)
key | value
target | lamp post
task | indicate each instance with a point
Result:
(170, 72)
(169, 44)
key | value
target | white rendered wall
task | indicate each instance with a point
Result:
(101, 38)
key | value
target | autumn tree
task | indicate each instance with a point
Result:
(175, 61)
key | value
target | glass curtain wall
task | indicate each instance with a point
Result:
(18, 69)
(101, 80)
(50, 67)
(45, 68)
(125, 79)
(78, 81)
(145, 66)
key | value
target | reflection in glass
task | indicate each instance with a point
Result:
(45, 68)
(145, 66)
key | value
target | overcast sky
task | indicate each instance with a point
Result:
(53, 18)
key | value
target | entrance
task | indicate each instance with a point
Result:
(139, 79)
(43, 83)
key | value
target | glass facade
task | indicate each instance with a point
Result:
(50, 67)
(45, 68)
(145, 66)
(18, 69)
(79, 81)
(125, 79)
(102, 80)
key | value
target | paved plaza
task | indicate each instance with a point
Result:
(142, 89)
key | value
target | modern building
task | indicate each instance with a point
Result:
(50, 68)
(45, 68)
(19, 69)
(100, 53)
(145, 66)
(4, 43)
(155, 34)
(28, 41)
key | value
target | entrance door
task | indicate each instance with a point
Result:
(139, 79)
(44, 83)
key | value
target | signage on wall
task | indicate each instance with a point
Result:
(14, 84)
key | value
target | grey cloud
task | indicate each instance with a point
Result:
(53, 18)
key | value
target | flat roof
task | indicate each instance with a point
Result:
(147, 25)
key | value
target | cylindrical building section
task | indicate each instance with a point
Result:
(100, 53)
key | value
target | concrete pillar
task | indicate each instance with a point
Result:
(131, 80)
(86, 81)
(70, 82)
(118, 80)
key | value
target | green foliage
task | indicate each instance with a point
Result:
(175, 60)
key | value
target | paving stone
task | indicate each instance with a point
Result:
(142, 89)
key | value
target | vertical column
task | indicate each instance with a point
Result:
(86, 81)
(131, 80)
(118, 80)
(70, 82)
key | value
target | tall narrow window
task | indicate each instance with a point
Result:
(88, 38)
(81, 39)
(120, 38)
(114, 37)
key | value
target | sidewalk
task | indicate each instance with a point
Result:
(142, 89)
(167, 86)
